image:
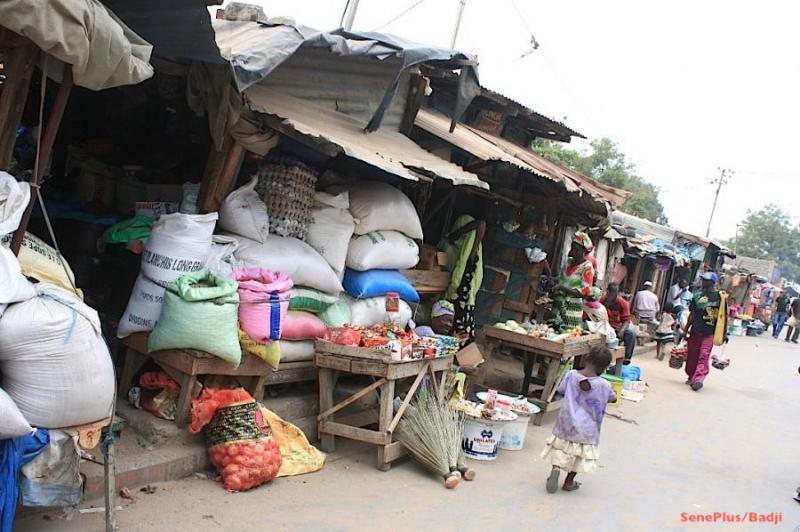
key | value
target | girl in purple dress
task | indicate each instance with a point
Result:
(573, 446)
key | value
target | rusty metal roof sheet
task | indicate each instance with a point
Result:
(486, 146)
(336, 132)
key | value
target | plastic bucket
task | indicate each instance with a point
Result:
(617, 384)
(482, 438)
(514, 433)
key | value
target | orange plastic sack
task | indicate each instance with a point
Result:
(209, 401)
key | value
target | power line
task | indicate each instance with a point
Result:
(400, 15)
(723, 179)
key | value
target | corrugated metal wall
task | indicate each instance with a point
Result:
(354, 85)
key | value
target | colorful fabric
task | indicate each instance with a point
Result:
(458, 255)
(573, 312)
(581, 413)
(464, 317)
(583, 239)
(619, 311)
(697, 355)
(442, 308)
(571, 457)
(578, 276)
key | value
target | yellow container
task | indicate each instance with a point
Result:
(617, 384)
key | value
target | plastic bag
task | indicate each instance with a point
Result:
(240, 442)
(337, 314)
(136, 228)
(14, 198)
(160, 394)
(302, 326)
(376, 283)
(200, 311)
(244, 213)
(269, 352)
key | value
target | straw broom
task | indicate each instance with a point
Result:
(432, 432)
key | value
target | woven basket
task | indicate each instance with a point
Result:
(237, 422)
(287, 187)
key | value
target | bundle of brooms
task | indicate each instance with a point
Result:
(431, 431)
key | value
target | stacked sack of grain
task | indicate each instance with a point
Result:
(386, 227)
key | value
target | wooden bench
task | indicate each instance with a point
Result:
(189, 364)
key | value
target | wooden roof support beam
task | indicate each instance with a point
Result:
(222, 169)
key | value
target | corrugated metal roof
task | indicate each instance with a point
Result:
(386, 149)
(645, 229)
(486, 146)
(555, 124)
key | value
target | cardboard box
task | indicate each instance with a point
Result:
(495, 279)
(470, 356)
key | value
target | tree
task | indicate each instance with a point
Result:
(768, 234)
(608, 165)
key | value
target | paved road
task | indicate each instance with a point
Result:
(731, 447)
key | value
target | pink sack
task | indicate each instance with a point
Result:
(263, 302)
(302, 326)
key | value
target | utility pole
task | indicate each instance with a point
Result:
(723, 179)
(350, 14)
(461, 5)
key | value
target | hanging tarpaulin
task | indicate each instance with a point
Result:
(102, 50)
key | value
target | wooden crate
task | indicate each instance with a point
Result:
(571, 346)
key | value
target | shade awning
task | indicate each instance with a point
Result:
(336, 132)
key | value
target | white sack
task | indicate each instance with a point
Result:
(291, 256)
(382, 250)
(330, 229)
(14, 286)
(244, 213)
(372, 311)
(12, 422)
(14, 197)
(297, 351)
(179, 243)
(54, 360)
(377, 206)
(221, 258)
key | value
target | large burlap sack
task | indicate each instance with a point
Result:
(291, 256)
(200, 311)
(372, 311)
(12, 422)
(14, 198)
(382, 250)
(54, 360)
(43, 263)
(179, 244)
(376, 206)
(244, 213)
(330, 229)
(14, 287)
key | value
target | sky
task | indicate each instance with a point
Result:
(685, 88)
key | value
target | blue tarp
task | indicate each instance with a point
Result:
(15, 453)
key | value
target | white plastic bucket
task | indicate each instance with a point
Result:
(482, 438)
(514, 433)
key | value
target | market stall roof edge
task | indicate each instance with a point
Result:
(336, 132)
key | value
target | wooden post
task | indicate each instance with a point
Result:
(416, 92)
(222, 169)
(13, 95)
(45, 151)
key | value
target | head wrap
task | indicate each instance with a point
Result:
(583, 239)
(594, 293)
(442, 308)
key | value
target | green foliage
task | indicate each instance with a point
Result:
(608, 165)
(768, 234)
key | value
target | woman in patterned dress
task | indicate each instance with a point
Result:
(465, 255)
(576, 280)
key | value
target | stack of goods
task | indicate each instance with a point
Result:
(179, 244)
(330, 229)
(263, 304)
(677, 356)
(287, 187)
(386, 225)
(399, 344)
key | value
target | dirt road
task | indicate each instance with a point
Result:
(730, 448)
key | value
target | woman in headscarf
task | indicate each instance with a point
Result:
(576, 280)
(465, 262)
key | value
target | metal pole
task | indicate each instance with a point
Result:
(350, 16)
(461, 5)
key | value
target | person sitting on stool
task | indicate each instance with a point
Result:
(619, 316)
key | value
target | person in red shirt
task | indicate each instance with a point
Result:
(619, 316)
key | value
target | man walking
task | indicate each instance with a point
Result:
(781, 314)
(793, 330)
(619, 317)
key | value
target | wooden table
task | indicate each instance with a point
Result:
(333, 360)
(552, 354)
(188, 364)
